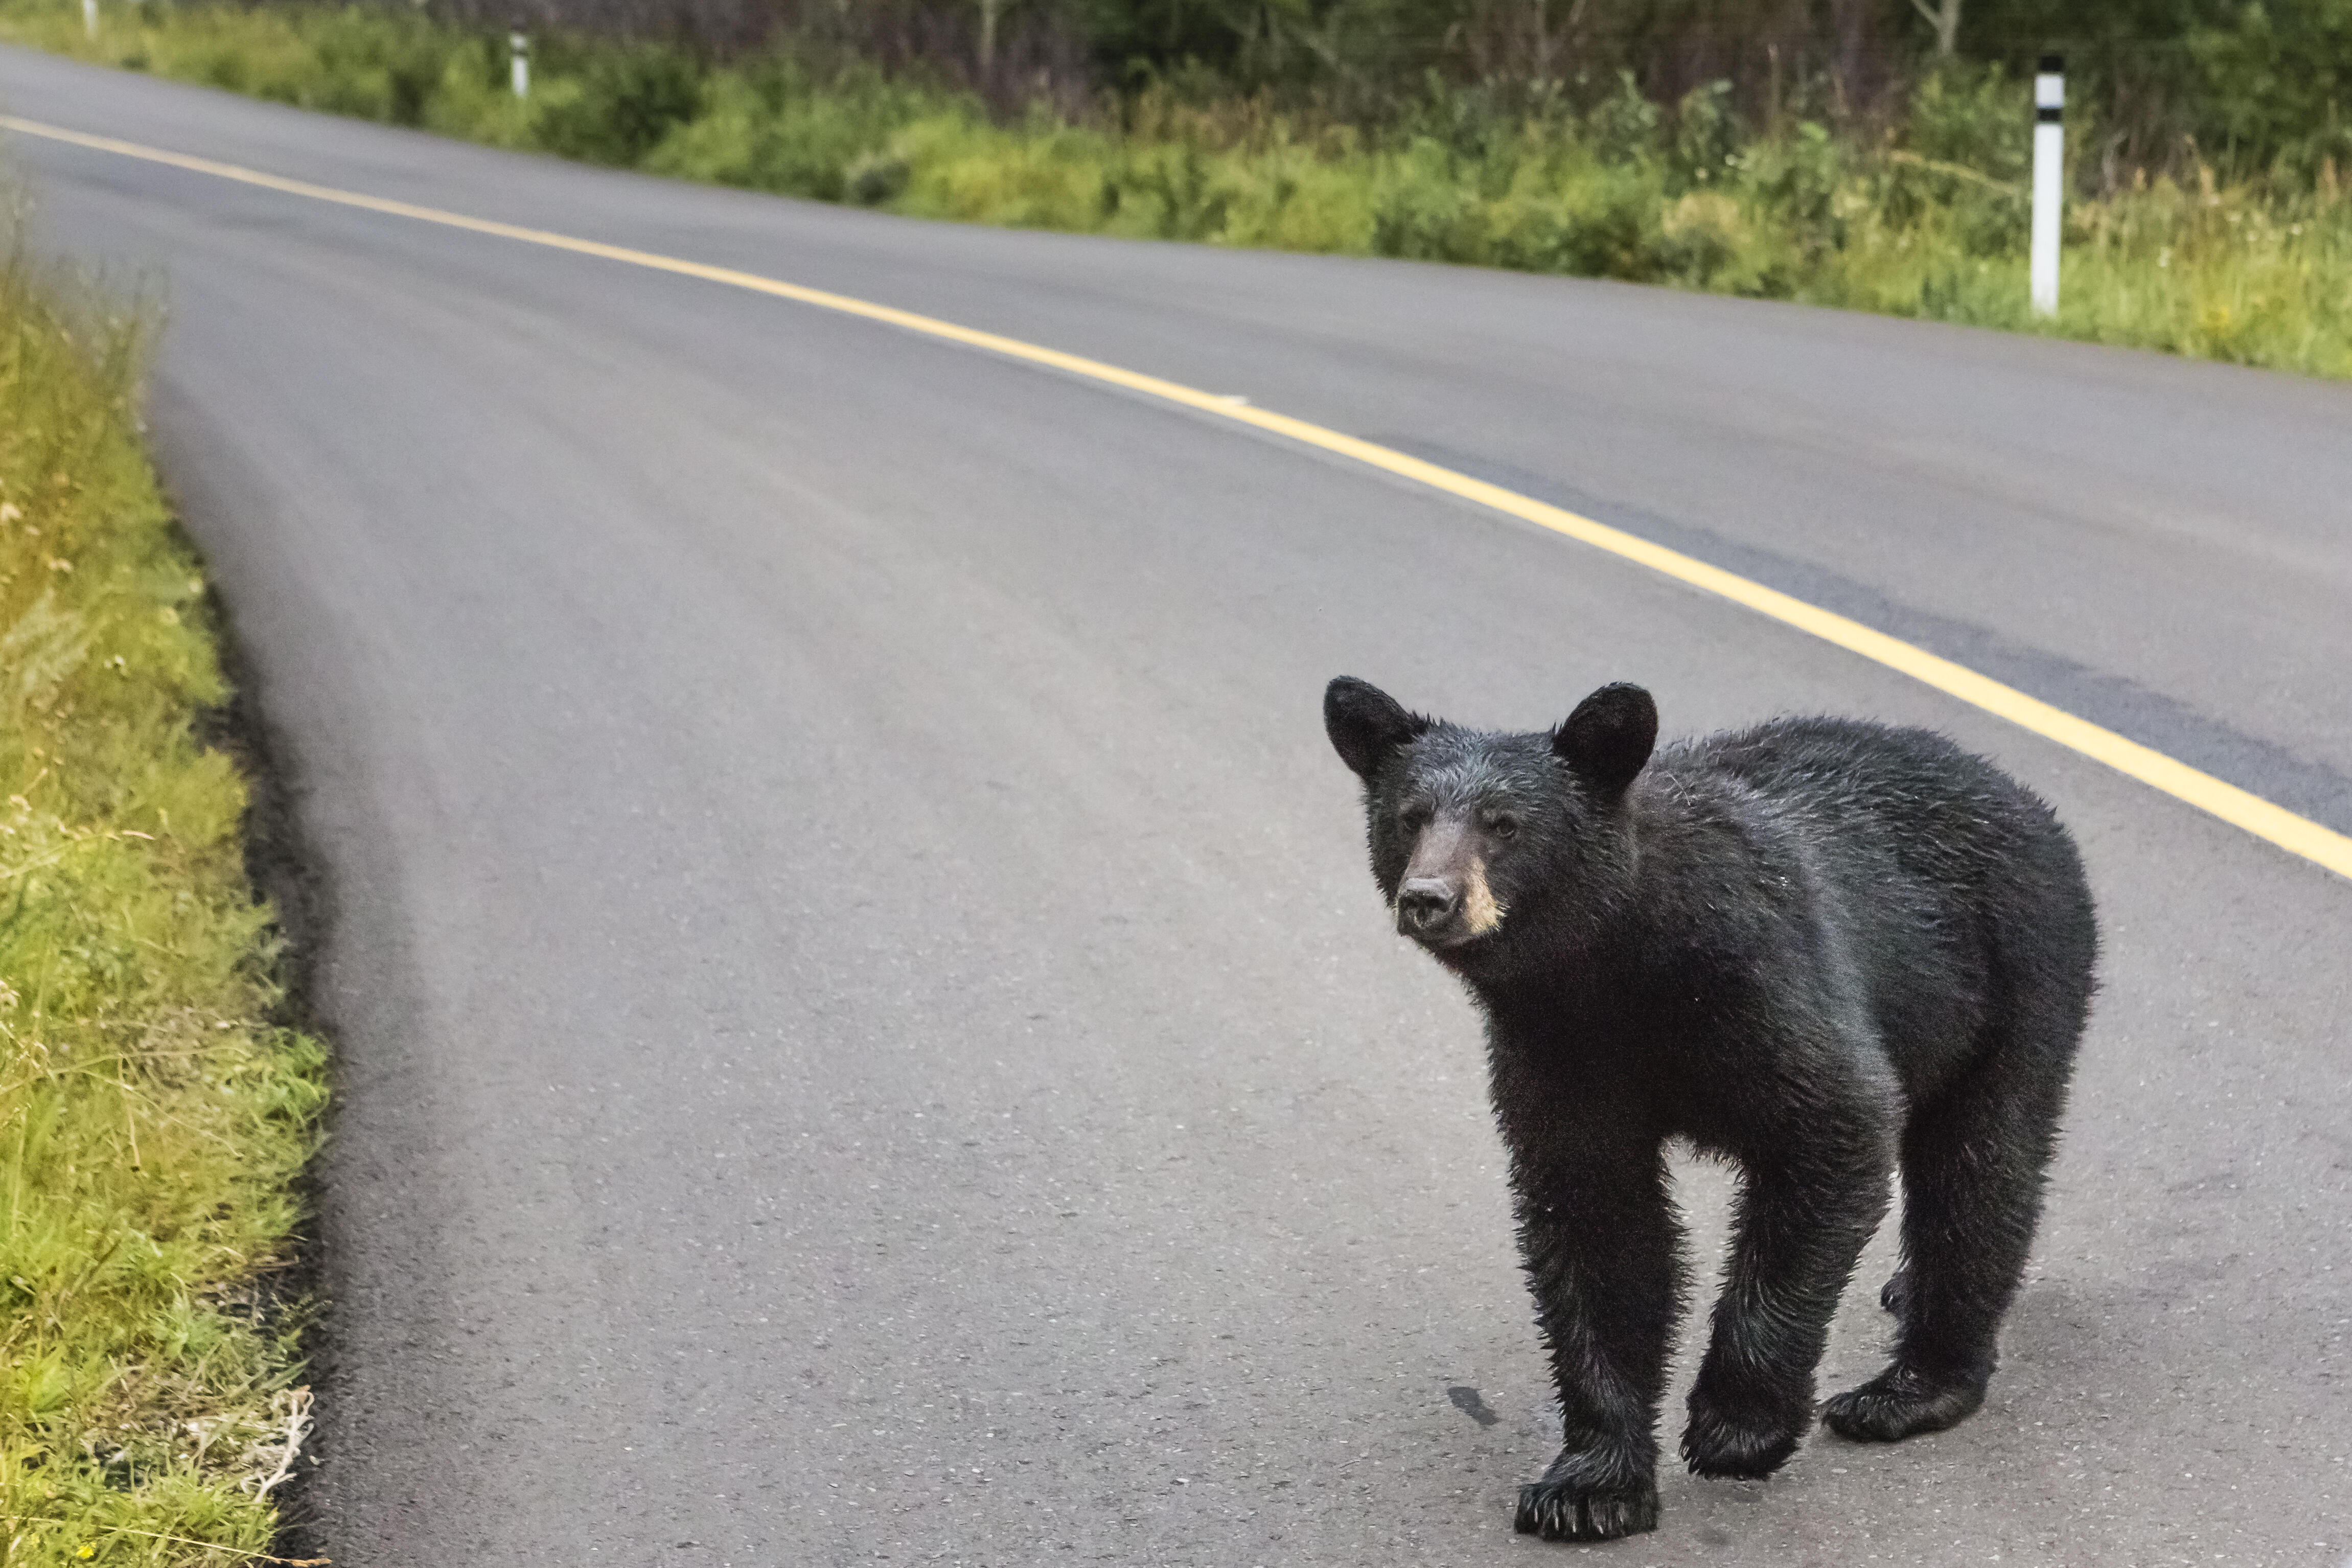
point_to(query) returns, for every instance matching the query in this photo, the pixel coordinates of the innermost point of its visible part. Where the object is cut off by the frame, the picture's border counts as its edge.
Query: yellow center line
(2258, 817)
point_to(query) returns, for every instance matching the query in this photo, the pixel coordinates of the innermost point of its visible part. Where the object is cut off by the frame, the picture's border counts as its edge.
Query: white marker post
(89, 17)
(519, 51)
(2049, 179)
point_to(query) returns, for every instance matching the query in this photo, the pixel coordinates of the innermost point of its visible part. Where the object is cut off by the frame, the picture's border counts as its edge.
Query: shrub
(626, 101)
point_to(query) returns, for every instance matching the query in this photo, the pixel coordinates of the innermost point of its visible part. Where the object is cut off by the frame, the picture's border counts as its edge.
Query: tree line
(2250, 87)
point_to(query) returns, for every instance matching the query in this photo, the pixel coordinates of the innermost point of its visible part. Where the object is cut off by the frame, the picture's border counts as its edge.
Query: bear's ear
(1609, 737)
(1366, 723)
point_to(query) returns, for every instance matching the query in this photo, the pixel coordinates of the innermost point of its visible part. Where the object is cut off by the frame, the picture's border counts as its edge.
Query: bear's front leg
(1603, 1258)
(1803, 1219)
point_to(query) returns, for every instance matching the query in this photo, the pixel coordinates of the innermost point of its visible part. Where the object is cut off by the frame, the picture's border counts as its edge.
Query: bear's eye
(1413, 818)
(1503, 827)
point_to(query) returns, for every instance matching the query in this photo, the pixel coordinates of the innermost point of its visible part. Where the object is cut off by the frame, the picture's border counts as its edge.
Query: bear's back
(1851, 786)
(1953, 886)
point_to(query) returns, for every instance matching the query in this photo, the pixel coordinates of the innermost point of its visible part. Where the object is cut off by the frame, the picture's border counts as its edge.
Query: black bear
(1818, 948)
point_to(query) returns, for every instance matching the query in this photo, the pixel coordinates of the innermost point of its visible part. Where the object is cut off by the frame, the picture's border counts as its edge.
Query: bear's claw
(1902, 1403)
(1562, 1510)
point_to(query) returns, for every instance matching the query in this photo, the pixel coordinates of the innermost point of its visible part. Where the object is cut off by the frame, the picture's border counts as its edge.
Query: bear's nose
(1426, 901)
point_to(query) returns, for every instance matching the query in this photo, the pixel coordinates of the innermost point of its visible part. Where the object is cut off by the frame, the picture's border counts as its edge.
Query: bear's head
(1494, 849)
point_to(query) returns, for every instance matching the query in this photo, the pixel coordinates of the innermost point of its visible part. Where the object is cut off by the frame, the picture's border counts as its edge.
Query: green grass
(1925, 219)
(152, 1114)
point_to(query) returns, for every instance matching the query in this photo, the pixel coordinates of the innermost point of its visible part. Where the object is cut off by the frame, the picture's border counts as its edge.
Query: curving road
(865, 1035)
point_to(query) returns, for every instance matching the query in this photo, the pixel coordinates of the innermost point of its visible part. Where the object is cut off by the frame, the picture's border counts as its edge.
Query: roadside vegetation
(154, 1112)
(1901, 191)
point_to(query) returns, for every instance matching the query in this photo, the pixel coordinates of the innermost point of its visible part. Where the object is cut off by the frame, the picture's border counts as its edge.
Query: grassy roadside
(1925, 219)
(152, 1114)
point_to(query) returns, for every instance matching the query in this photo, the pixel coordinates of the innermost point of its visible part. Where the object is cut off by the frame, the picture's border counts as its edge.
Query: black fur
(1819, 948)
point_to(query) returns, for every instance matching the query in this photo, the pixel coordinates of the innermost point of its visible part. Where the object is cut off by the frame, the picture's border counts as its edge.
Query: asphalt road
(863, 1031)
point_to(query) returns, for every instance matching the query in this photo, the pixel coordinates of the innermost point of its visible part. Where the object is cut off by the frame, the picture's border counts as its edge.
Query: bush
(626, 100)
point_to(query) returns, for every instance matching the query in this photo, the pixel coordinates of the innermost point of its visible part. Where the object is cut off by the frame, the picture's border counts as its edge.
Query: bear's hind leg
(1974, 1161)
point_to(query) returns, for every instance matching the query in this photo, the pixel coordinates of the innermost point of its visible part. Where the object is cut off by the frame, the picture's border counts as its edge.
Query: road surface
(863, 1031)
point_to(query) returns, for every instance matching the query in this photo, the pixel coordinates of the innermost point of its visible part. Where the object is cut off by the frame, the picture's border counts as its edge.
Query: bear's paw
(1729, 1440)
(1902, 1403)
(1571, 1510)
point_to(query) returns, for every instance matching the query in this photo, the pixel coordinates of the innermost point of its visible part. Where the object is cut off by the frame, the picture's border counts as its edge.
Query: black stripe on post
(2049, 114)
(2052, 65)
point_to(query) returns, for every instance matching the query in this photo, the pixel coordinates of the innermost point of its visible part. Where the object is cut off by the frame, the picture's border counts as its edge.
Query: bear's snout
(1425, 903)
(1443, 900)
